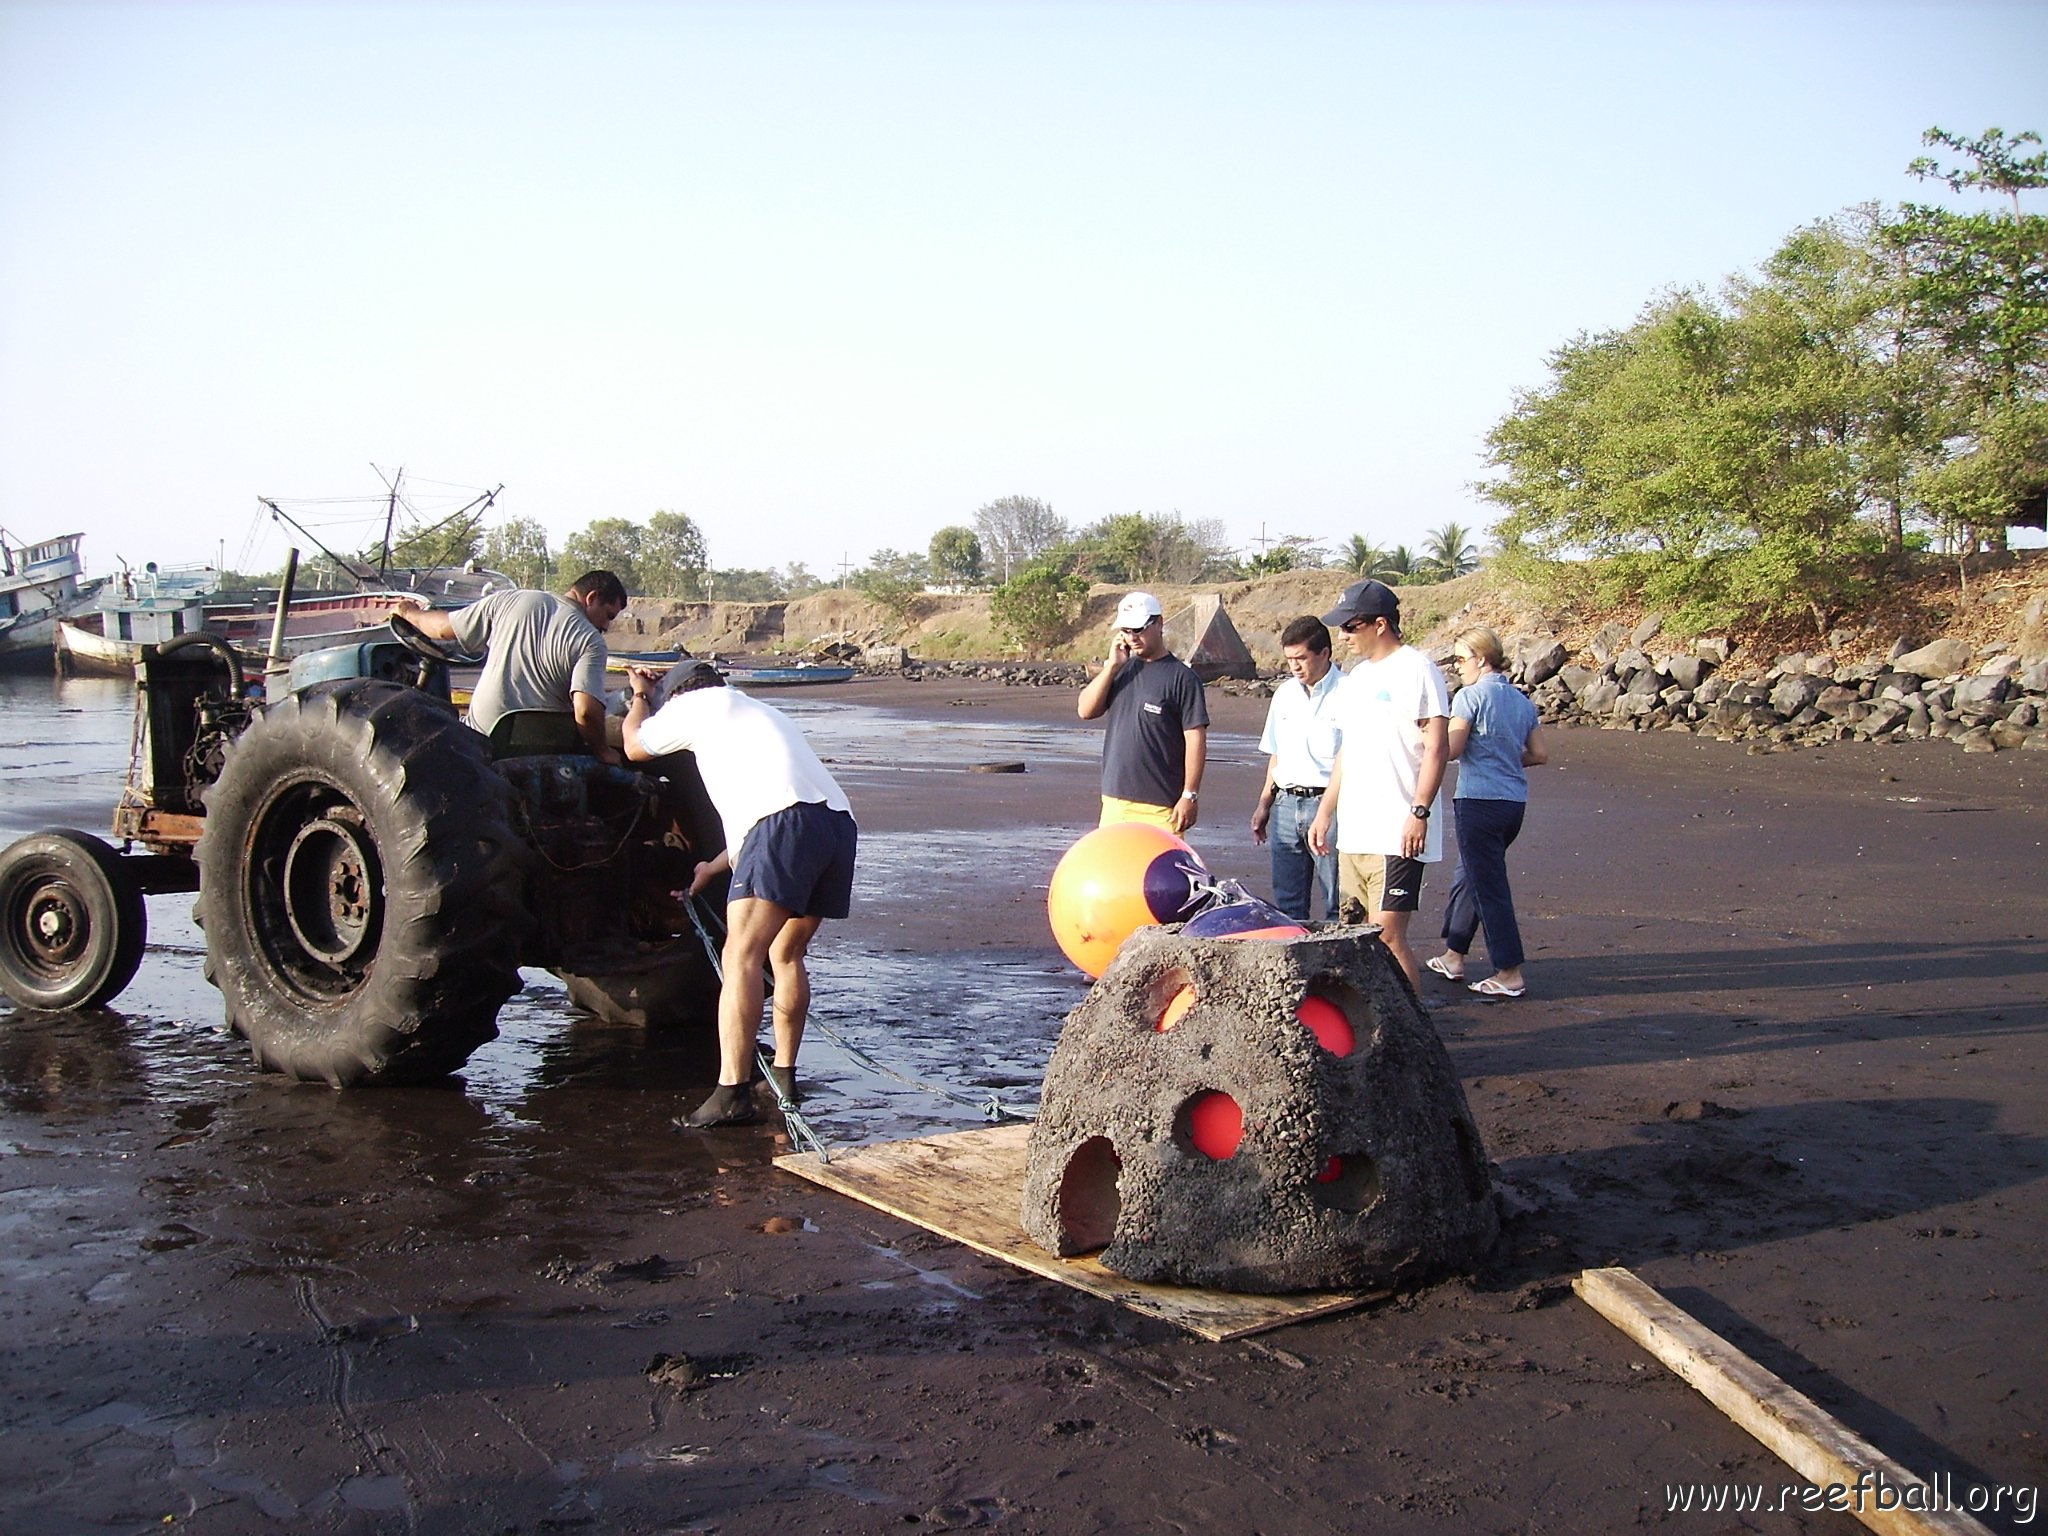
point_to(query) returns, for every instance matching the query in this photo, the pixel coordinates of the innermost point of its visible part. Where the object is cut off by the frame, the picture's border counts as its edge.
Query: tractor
(371, 872)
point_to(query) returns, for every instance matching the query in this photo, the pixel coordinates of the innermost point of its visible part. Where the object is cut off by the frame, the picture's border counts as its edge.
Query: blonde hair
(1484, 644)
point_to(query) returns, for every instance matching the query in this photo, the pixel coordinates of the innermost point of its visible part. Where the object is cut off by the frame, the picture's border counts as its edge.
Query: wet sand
(1783, 1055)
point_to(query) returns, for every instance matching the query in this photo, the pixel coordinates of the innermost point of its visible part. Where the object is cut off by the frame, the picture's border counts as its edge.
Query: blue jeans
(1480, 894)
(1296, 871)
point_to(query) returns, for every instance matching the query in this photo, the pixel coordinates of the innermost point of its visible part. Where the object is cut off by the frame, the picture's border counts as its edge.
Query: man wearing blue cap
(1393, 744)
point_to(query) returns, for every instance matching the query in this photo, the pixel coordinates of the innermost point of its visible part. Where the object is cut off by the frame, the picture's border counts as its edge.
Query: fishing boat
(788, 677)
(40, 584)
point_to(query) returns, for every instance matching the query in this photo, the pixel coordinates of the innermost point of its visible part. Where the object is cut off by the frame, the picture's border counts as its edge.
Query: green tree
(1039, 606)
(1360, 557)
(1976, 289)
(895, 579)
(1449, 552)
(955, 556)
(671, 559)
(1137, 547)
(519, 548)
(744, 586)
(608, 544)
(1016, 531)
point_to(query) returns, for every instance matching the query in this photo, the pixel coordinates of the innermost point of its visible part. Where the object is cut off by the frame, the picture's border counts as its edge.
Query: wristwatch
(1419, 812)
(1189, 794)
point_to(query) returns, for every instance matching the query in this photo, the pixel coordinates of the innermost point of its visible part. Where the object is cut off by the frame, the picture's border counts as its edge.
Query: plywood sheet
(969, 1186)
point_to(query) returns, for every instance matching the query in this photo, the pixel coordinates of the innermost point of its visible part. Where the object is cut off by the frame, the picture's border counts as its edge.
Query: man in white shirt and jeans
(1300, 744)
(1393, 744)
(790, 841)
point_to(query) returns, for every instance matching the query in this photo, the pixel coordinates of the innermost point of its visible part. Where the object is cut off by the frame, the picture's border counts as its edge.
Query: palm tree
(1451, 551)
(1400, 561)
(1363, 558)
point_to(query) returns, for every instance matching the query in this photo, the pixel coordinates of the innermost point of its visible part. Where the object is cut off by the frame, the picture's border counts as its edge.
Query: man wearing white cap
(1157, 740)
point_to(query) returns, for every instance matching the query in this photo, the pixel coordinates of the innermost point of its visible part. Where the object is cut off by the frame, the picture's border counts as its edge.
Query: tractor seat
(535, 733)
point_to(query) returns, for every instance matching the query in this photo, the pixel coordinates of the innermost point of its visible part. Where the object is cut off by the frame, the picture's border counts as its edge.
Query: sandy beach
(1783, 1055)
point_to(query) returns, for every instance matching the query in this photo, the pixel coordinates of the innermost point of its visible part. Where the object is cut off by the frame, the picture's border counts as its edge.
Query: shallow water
(976, 1020)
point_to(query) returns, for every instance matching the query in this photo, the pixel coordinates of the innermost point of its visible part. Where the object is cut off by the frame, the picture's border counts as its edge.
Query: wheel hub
(332, 900)
(56, 925)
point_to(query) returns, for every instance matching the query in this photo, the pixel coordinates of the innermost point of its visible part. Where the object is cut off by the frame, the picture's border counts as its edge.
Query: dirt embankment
(2003, 601)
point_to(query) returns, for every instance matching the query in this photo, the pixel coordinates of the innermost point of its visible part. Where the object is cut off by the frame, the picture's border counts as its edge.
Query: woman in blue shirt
(1495, 736)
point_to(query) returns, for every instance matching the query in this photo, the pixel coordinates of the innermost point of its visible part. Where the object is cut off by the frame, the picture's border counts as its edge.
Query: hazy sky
(828, 277)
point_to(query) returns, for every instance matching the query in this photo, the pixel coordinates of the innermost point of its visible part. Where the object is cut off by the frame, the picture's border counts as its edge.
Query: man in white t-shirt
(1393, 743)
(790, 841)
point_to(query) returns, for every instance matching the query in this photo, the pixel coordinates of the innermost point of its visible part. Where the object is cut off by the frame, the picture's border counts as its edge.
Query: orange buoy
(1116, 880)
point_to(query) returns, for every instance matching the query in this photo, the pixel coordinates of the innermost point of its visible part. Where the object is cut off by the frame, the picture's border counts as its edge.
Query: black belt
(1302, 794)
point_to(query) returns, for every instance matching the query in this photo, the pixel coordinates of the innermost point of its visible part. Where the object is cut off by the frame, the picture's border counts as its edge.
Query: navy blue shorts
(800, 858)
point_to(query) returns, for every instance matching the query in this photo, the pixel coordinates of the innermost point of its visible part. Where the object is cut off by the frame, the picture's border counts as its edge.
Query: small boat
(40, 584)
(620, 660)
(136, 608)
(789, 677)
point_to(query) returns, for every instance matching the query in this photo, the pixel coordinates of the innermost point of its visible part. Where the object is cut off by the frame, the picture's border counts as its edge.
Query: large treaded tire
(361, 887)
(72, 921)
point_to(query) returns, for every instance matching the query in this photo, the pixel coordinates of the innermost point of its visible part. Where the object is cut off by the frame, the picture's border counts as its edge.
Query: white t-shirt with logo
(1379, 745)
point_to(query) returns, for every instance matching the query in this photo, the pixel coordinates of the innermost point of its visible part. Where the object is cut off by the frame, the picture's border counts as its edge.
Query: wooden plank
(1796, 1429)
(969, 1186)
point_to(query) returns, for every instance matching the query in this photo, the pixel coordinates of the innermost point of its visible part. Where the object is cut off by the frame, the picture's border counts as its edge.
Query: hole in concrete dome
(1348, 1181)
(1352, 1004)
(1211, 1123)
(1169, 997)
(1328, 1023)
(1089, 1202)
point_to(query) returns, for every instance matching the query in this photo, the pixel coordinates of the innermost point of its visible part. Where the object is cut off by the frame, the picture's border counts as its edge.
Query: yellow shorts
(1115, 810)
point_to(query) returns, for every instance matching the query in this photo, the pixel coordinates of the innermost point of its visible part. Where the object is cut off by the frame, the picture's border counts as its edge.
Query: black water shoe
(729, 1104)
(782, 1083)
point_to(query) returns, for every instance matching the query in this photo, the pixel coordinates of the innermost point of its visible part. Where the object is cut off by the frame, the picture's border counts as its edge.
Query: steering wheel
(419, 642)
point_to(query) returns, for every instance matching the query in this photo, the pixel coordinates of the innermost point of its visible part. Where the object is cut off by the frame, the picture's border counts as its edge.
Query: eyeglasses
(1461, 657)
(1354, 626)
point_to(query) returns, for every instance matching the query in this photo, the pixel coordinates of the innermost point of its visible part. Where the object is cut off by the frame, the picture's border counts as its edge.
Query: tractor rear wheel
(361, 886)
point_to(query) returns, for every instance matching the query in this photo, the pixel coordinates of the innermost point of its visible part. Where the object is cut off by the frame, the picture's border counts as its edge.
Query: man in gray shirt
(540, 652)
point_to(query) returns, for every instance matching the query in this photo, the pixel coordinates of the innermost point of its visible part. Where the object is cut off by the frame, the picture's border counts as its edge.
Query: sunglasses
(1356, 625)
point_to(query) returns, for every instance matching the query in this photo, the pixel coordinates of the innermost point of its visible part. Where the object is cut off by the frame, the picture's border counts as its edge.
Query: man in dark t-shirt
(1156, 742)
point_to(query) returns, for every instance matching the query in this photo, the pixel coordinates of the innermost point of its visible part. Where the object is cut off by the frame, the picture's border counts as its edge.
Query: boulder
(1714, 649)
(2006, 736)
(1688, 671)
(1648, 630)
(1598, 696)
(1883, 716)
(2033, 677)
(1606, 642)
(1541, 659)
(1977, 739)
(1942, 658)
(1796, 692)
(1576, 677)
(1978, 693)
(1647, 681)
(1835, 700)
(1711, 691)
(1628, 663)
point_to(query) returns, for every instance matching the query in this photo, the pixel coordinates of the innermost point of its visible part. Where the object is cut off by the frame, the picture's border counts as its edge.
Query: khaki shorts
(1115, 810)
(1371, 883)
